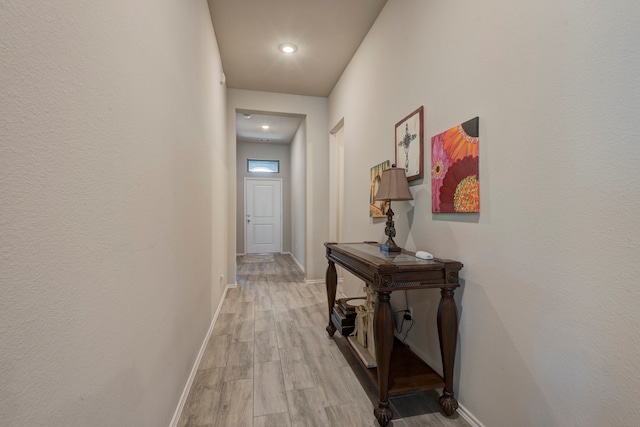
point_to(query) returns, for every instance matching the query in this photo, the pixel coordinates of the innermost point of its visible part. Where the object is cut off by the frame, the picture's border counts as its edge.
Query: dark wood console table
(385, 273)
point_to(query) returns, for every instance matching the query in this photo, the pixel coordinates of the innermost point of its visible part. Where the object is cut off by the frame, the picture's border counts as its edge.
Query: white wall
(111, 130)
(316, 165)
(298, 194)
(549, 319)
(280, 152)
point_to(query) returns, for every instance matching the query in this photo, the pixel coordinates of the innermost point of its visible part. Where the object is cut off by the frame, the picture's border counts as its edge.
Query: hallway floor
(270, 362)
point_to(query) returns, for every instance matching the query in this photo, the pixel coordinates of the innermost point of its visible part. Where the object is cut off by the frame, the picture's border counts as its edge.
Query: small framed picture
(409, 144)
(377, 208)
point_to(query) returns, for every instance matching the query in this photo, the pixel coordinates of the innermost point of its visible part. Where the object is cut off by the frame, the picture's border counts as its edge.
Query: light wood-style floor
(270, 362)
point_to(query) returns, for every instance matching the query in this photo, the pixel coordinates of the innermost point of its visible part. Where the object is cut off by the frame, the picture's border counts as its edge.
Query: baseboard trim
(468, 416)
(232, 285)
(196, 363)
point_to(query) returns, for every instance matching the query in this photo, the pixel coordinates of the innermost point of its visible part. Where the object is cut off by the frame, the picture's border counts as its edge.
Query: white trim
(468, 416)
(232, 285)
(196, 363)
(242, 254)
(279, 180)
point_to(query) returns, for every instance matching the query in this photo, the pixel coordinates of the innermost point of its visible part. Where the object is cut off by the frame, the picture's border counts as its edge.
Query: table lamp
(393, 186)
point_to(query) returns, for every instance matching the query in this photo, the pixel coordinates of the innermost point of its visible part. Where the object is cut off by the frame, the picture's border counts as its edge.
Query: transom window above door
(265, 166)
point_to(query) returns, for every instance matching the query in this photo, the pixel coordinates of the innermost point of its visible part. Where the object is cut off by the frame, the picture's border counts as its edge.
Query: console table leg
(383, 333)
(448, 332)
(331, 280)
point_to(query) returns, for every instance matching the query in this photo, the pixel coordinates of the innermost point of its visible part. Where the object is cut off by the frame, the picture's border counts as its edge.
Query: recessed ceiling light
(288, 47)
(265, 127)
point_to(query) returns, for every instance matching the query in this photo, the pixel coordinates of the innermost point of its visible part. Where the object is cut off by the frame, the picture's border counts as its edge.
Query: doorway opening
(275, 139)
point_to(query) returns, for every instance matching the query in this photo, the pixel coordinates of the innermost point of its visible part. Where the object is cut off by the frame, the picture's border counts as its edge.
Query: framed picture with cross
(409, 144)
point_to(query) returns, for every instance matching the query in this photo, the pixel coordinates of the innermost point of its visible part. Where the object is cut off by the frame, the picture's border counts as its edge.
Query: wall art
(409, 144)
(455, 183)
(377, 209)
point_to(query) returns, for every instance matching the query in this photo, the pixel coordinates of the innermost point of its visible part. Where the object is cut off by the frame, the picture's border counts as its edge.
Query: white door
(263, 215)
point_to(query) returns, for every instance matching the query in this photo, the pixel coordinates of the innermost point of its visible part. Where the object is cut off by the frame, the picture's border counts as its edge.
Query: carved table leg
(448, 332)
(331, 281)
(383, 335)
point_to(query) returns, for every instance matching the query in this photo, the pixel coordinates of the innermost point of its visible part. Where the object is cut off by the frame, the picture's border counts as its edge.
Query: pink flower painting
(455, 182)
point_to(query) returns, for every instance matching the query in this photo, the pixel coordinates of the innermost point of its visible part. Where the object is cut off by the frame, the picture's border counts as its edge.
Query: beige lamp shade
(393, 185)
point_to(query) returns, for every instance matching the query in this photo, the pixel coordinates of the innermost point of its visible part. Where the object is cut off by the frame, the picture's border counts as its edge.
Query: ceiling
(282, 128)
(326, 32)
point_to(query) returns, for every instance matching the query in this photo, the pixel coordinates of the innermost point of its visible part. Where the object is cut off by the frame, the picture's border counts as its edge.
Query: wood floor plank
(269, 395)
(264, 321)
(263, 303)
(314, 343)
(240, 354)
(239, 372)
(266, 347)
(305, 293)
(426, 420)
(231, 305)
(247, 310)
(296, 370)
(350, 415)
(273, 420)
(288, 335)
(235, 404)
(283, 314)
(203, 398)
(330, 381)
(360, 396)
(333, 350)
(244, 330)
(305, 409)
(225, 324)
(216, 352)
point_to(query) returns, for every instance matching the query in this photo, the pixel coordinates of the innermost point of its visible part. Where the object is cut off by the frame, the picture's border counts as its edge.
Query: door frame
(244, 213)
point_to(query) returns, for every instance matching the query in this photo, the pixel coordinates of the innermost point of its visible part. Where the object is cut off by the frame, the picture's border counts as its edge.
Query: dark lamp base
(390, 231)
(387, 248)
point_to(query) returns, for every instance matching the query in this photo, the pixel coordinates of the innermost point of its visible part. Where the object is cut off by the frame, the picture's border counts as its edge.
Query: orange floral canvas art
(455, 183)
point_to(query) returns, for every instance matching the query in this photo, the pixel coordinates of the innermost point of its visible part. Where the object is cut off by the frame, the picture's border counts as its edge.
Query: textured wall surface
(549, 319)
(107, 138)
